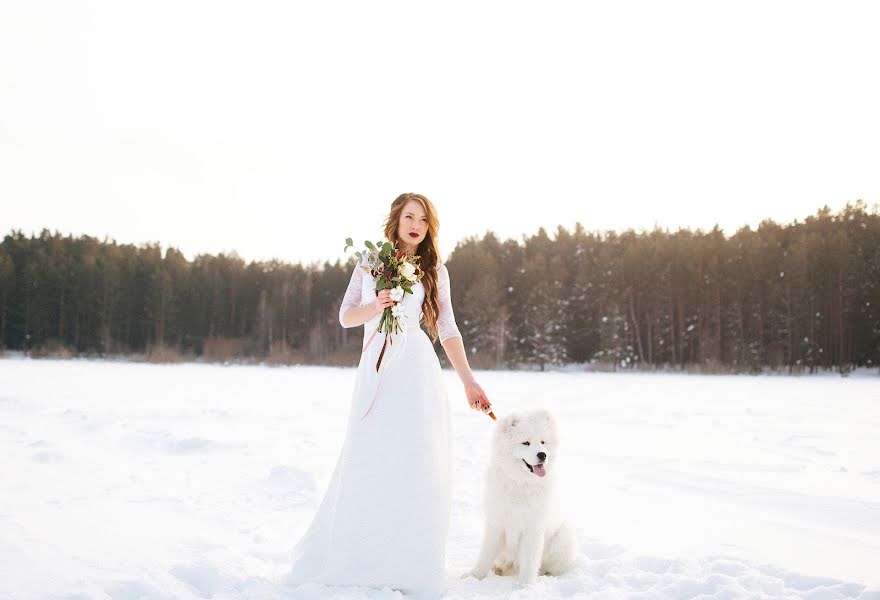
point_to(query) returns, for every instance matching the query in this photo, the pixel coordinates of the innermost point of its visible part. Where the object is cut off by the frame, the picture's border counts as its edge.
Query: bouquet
(393, 270)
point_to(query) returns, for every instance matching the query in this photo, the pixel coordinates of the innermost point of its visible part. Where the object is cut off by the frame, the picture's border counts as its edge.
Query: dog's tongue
(539, 470)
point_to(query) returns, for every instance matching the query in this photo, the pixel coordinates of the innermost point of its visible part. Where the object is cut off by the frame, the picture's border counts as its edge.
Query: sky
(278, 129)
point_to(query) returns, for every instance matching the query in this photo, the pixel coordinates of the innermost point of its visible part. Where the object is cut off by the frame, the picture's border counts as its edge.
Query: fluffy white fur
(525, 532)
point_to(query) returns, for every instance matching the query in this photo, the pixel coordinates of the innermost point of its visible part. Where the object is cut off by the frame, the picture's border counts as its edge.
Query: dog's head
(525, 445)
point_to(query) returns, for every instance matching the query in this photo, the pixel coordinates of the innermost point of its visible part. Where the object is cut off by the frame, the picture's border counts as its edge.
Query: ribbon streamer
(396, 350)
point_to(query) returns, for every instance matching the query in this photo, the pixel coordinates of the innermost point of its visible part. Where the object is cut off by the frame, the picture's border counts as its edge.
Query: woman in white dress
(384, 518)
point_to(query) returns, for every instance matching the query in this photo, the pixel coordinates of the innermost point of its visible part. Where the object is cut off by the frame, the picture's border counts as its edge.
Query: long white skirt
(384, 518)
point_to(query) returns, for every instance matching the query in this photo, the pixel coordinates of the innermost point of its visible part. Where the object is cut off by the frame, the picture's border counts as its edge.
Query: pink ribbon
(390, 355)
(381, 372)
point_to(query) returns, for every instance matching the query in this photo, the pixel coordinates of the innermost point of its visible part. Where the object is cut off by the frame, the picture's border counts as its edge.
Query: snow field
(127, 480)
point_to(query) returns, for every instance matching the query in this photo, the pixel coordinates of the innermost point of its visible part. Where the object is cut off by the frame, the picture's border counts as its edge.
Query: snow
(129, 480)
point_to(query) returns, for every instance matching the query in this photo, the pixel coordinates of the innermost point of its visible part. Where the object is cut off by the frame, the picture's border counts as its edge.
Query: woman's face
(413, 225)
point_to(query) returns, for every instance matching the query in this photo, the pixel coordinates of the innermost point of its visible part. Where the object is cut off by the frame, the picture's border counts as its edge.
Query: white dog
(525, 532)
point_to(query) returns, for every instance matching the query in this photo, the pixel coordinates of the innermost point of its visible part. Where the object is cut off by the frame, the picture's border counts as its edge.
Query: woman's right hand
(383, 301)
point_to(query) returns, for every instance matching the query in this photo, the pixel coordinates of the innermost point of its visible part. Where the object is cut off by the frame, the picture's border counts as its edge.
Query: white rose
(397, 294)
(408, 270)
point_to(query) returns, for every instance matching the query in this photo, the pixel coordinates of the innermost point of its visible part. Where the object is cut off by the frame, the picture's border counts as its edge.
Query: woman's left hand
(476, 397)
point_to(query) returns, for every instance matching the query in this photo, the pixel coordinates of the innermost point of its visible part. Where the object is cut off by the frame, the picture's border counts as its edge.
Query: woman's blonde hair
(427, 250)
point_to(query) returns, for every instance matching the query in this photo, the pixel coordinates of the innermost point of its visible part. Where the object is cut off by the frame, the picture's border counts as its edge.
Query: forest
(800, 297)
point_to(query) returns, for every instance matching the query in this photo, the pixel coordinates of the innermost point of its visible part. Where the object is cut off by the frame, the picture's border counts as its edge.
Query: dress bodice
(361, 290)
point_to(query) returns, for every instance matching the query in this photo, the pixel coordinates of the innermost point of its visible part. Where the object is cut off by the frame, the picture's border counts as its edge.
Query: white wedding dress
(384, 518)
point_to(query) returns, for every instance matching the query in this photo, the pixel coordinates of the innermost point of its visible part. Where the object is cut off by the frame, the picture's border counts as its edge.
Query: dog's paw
(473, 573)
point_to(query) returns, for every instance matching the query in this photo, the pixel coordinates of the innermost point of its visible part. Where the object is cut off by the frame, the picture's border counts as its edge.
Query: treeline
(802, 296)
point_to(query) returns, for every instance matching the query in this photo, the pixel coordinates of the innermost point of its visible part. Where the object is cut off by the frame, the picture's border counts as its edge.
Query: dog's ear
(508, 423)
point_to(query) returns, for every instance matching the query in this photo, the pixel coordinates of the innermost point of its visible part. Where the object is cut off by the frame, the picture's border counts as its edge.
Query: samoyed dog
(525, 532)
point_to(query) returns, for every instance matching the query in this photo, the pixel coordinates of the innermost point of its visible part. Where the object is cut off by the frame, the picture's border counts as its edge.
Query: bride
(384, 517)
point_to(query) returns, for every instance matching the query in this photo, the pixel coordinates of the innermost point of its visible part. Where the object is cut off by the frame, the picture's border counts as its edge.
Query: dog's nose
(542, 455)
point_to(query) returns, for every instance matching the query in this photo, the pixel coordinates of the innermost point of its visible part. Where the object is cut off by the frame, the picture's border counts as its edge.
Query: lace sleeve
(352, 295)
(446, 326)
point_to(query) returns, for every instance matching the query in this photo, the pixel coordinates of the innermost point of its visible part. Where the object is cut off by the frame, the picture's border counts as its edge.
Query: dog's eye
(542, 441)
(525, 443)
